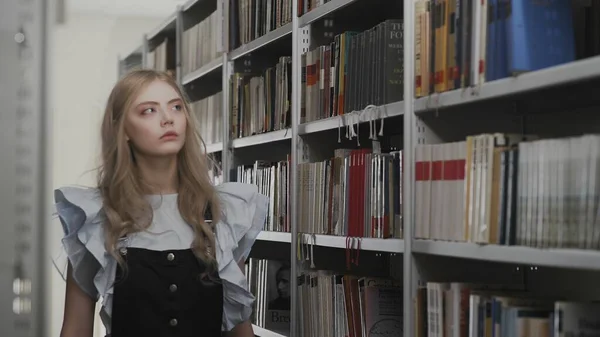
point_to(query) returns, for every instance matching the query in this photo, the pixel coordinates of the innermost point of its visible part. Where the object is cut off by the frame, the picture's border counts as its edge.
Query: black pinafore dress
(162, 294)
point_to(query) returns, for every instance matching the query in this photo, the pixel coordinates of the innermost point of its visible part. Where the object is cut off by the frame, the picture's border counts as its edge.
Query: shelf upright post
(224, 6)
(25, 123)
(227, 152)
(227, 67)
(408, 178)
(145, 51)
(294, 166)
(178, 43)
(119, 66)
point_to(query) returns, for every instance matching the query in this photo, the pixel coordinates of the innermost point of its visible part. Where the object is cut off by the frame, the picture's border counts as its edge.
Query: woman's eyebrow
(147, 102)
(156, 103)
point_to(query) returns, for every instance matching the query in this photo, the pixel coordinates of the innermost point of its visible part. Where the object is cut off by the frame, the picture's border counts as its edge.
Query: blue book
(491, 55)
(501, 42)
(539, 34)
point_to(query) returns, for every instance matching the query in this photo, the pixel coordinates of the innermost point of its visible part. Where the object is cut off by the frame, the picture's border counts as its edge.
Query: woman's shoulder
(79, 212)
(76, 206)
(241, 201)
(244, 213)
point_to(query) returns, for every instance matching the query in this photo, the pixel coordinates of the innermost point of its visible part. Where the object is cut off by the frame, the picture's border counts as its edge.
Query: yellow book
(441, 45)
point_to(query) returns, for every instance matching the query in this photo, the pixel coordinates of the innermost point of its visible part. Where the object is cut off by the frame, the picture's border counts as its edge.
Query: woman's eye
(147, 111)
(178, 107)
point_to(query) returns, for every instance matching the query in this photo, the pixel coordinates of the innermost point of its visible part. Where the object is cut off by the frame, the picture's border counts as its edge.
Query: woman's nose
(167, 118)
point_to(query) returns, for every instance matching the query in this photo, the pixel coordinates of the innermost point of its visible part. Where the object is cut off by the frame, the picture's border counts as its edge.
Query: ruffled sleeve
(80, 213)
(244, 215)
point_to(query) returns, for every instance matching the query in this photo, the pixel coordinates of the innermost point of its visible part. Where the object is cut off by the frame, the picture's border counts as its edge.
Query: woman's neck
(160, 174)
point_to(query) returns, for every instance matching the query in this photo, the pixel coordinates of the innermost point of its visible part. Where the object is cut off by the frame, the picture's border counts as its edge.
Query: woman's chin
(163, 150)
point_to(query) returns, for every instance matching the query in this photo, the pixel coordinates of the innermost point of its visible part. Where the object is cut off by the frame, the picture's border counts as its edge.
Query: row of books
(459, 43)
(491, 188)
(261, 102)
(510, 190)
(251, 19)
(215, 174)
(586, 19)
(273, 181)
(209, 120)
(202, 43)
(269, 282)
(356, 193)
(305, 6)
(340, 305)
(353, 71)
(162, 58)
(343, 305)
(130, 63)
(460, 309)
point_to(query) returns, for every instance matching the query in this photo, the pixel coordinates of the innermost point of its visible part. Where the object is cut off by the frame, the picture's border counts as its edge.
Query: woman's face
(156, 122)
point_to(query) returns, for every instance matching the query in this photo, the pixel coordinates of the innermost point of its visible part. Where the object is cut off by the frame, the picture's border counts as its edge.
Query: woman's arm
(78, 320)
(243, 329)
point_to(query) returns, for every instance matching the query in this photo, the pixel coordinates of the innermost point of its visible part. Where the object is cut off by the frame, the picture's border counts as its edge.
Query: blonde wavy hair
(123, 191)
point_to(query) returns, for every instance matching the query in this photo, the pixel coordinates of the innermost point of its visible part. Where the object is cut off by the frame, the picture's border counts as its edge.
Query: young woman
(159, 244)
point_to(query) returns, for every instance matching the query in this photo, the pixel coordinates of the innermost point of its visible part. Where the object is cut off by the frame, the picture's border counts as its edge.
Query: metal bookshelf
(366, 244)
(261, 42)
(323, 10)
(557, 76)
(411, 112)
(203, 71)
(215, 147)
(269, 236)
(546, 257)
(26, 124)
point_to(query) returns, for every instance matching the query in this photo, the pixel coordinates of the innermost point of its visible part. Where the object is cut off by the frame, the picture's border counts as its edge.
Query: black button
(170, 256)
(173, 322)
(173, 288)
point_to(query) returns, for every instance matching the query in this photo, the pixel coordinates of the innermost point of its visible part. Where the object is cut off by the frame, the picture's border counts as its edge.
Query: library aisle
(433, 166)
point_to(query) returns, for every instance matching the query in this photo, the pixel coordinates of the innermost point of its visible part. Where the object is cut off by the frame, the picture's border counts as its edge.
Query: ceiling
(139, 8)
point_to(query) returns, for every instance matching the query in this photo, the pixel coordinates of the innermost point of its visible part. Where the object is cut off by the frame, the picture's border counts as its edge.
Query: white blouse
(80, 211)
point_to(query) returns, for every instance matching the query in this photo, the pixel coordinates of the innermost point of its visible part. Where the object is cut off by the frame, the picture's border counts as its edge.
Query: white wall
(83, 70)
